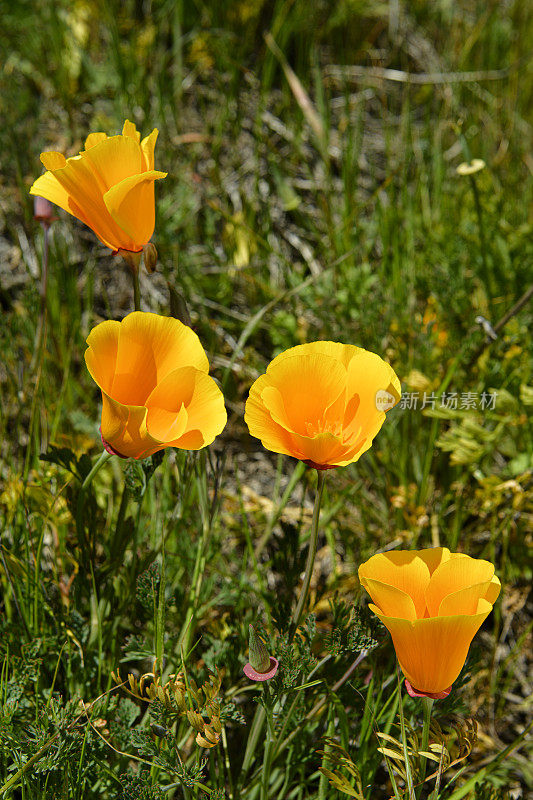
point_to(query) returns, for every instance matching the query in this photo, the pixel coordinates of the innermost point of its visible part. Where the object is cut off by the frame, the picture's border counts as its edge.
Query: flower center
(316, 427)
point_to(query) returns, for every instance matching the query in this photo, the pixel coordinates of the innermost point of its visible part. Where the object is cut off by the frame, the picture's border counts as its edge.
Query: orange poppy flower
(156, 391)
(322, 402)
(109, 186)
(432, 602)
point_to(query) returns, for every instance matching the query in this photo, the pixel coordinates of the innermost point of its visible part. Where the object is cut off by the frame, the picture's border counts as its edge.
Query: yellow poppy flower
(156, 391)
(109, 186)
(322, 402)
(432, 602)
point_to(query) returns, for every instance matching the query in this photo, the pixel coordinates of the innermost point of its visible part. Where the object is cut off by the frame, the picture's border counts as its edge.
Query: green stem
(427, 705)
(35, 757)
(133, 260)
(409, 777)
(187, 629)
(136, 290)
(40, 349)
(313, 540)
(278, 510)
(265, 772)
(253, 738)
(80, 505)
(206, 516)
(482, 239)
(160, 633)
(121, 516)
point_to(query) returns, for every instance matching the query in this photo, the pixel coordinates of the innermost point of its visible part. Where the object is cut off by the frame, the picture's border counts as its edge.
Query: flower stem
(256, 730)
(408, 775)
(313, 540)
(160, 619)
(187, 629)
(265, 772)
(80, 505)
(482, 239)
(136, 290)
(427, 705)
(133, 260)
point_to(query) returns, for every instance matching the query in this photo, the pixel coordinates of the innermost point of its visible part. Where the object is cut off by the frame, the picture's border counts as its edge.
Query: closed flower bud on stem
(43, 211)
(261, 665)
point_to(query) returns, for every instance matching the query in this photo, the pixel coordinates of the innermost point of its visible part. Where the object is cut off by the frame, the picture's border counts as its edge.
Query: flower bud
(261, 666)
(150, 257)
(258, 654)
(43, 211)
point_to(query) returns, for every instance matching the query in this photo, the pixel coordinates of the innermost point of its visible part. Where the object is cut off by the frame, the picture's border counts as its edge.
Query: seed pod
(216, 724)
(159, 730)
(180, 699)
(195, 720)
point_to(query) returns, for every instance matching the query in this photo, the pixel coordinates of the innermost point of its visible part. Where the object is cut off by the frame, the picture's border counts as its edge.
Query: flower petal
(53, 160)
(124, 428)
(323, 449)
(112, 160)
(402, 569)
(81, 196)
(391, 602)
(432, 651)
(150, 347)
(273, 436)
(336, 350)
(203, 401)
(129, 129)
(464, 601)
(308, 384)
(101, 355)
(131, 205)
(48, 186)
(434, 556)
(166, 425)
(148, 147)
(94, 138)
(453, 575)
(494, 590)
(368, 374)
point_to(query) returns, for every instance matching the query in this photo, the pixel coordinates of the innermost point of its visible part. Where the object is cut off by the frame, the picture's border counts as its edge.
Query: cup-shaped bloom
(322, 402)
(109, 186)
(432, 602)
(156, 390)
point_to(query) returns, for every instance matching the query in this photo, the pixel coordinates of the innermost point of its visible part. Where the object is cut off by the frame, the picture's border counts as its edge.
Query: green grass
(277, 226)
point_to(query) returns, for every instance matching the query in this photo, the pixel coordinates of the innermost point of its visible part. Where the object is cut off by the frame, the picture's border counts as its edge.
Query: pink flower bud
(43, 210)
